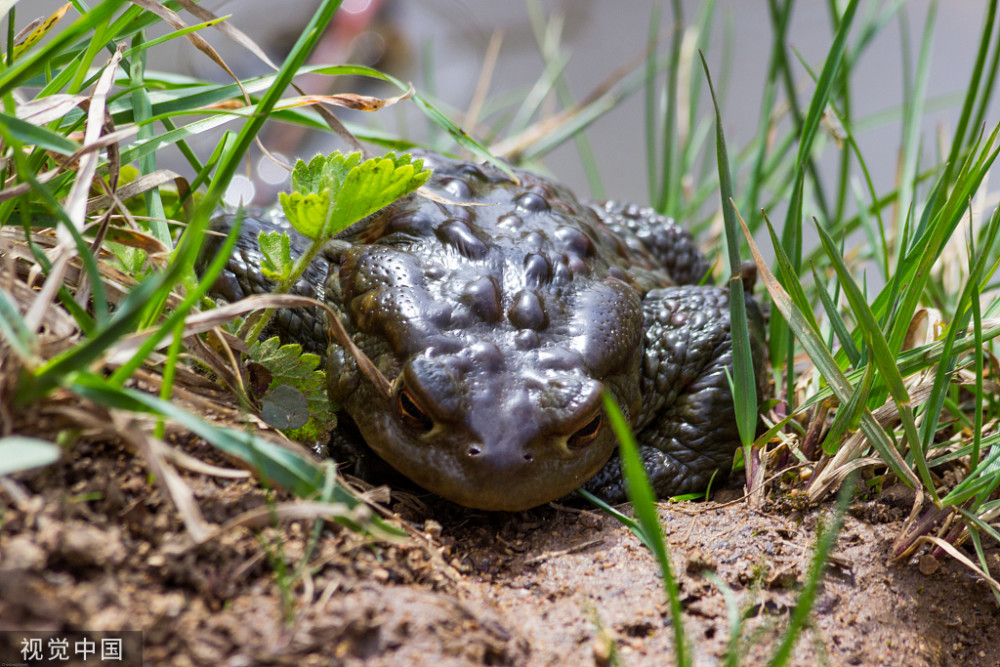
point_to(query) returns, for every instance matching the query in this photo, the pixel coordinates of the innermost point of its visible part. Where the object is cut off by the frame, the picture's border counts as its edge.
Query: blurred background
(442, 46)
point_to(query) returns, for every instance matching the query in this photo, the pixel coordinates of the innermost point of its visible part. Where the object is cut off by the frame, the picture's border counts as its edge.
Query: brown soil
(93, 544)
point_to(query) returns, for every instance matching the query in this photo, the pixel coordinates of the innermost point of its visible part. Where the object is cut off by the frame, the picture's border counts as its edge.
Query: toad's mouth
(497, 477)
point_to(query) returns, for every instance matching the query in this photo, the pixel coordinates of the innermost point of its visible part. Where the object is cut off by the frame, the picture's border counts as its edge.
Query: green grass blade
(779, 27)
(733, 617)
(837, 323)
(963, 312)
(41, 55)
(33, 135)
(782, 347)
(972, 90)
(634, 527)
(927, 248)
(652, 155)
(190, 241)
(146, 45)
(881, 356)
(744, 380)
(913, 112)
(807, 332)
(276, 465)
(848, 415)
(15, 331)
(123, 322)
(147, 164)
(640, 494)
(668, 199)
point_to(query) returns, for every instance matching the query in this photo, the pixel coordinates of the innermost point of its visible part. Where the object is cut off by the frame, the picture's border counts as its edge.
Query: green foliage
(276, 255)
(743, 383)
(329, 194)
(119, 311)
(290, 367)
(333, 192)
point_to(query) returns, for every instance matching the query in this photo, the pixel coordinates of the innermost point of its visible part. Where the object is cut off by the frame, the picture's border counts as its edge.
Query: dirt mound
(91, 543)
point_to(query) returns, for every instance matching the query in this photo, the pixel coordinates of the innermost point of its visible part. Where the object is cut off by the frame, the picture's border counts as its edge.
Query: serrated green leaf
(276, 255)
(307, 212)
(290, 367)
(373, 185)
(333, 192)
(338, 166)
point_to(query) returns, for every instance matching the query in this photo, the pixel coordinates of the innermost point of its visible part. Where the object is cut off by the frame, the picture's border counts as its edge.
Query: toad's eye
(587, 433)
(409, 410)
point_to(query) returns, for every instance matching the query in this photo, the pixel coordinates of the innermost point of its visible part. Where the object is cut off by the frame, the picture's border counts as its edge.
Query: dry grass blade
(133, 238)
(835, 475)
(152, 450)
(485, 75)
(961, 558)
(94, 422)
(117, 284)
(28, 29)
(809, 336)
(604, 93)
(76, 202)
(437, 197)
(109, 140)
(201, 322)
(195, 465)
(137, 187)
(71, 162)
(351, 101)
(306, 510)
(196, 40)
(24, 188)
(44, 110)
(42, 302)
(55, 321)
(829, 478)
(37, 29)
(228, 30)
(204, 321)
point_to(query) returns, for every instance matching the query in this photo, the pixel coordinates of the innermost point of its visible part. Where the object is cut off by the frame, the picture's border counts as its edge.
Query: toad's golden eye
(587, 433)
(411, 413)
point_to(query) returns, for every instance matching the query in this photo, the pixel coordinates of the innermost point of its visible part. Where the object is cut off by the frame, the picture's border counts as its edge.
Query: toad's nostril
(529, 457)
(474, 451)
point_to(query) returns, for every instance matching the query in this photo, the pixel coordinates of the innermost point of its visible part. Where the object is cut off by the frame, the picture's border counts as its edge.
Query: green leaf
(333, 192)
(14, 329)
(285, 408)
(289, 367)
(276, 255)
(374, 185)
(38, 136)
(306, 212)
(19, 453)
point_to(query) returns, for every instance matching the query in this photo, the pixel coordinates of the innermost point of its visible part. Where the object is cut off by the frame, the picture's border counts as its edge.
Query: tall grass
(898, 385)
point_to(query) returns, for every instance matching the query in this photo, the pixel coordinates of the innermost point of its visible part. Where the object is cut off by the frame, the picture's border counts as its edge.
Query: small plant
(330, 194)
